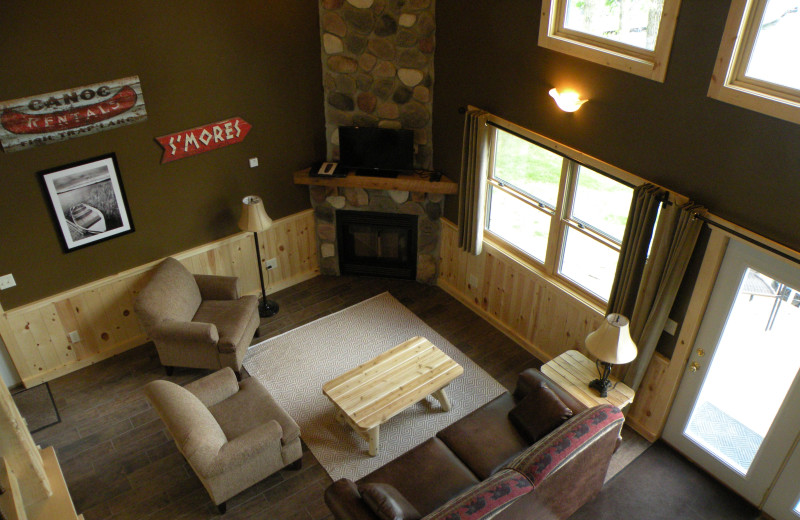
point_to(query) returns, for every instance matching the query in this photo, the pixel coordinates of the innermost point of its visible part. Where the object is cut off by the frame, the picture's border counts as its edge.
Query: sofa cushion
(196, 432)
(539, 413)
(252, 406)
(231, 318)
(487, 499)
(386, 502)
(171, 293)
(489, 428)
(215, 387)
(427, 476)
(532, 378)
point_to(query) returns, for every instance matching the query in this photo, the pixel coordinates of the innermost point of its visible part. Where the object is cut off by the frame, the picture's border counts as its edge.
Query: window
(566, 218)
(757, 65)
(630, 35)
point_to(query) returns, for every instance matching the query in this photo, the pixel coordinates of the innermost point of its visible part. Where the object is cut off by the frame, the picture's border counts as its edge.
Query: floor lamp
(254, 218)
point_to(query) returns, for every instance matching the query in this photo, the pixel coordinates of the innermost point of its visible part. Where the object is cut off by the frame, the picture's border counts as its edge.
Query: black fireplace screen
(379, 244)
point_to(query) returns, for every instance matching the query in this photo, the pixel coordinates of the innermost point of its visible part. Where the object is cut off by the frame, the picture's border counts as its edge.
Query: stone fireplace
(332, 204)
(377, 64)
(379, 244)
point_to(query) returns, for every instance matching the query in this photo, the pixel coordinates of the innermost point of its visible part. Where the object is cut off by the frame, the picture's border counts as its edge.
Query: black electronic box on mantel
(376, 152)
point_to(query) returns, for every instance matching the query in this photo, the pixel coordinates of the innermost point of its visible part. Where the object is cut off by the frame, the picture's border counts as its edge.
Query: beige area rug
(295, 365)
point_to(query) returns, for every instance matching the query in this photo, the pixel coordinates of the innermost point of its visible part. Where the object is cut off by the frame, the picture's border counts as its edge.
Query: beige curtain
(472, 188)
(635, 245)
(673, 245)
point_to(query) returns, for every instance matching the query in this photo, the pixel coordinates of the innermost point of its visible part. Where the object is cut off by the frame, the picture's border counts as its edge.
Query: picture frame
(87, 201)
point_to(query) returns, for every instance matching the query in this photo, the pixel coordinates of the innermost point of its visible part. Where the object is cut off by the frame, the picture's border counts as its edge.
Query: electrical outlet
(272, 263)
(74, 336)
(473, 280)
(7, 281)
(253, 162)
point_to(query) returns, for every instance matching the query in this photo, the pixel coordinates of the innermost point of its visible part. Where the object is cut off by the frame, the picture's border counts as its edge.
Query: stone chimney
(377, 62)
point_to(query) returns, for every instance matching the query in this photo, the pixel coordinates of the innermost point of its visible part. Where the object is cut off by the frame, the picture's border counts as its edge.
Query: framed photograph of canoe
(87, 201)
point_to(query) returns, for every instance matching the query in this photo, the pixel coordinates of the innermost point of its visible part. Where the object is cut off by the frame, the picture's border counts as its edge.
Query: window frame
(635, 60)
(729, 83)
(561, 218)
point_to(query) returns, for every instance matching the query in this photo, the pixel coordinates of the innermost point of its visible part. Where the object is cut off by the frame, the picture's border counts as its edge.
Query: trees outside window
(630, 35)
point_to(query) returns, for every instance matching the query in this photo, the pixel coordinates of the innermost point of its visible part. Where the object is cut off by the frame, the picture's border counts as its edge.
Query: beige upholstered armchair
(232, 434)
(197, 321)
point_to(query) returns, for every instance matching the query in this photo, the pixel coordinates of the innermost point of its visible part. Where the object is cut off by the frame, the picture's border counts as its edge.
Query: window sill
(766, 104)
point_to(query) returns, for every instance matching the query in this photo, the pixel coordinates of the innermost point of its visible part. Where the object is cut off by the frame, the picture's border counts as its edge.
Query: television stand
(387, 174)
(403, 182)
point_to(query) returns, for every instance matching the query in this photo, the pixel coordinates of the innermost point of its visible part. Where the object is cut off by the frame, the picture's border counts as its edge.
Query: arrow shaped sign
(203, 138)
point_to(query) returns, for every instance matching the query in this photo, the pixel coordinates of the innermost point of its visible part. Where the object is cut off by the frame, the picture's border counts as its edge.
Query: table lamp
(612, 345)
(254, 218)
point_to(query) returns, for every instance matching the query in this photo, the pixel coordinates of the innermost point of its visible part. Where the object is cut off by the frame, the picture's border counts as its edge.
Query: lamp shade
(254, 216)
(612, 342)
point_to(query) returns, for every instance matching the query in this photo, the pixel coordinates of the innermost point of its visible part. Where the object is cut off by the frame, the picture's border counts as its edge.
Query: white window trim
(562, 220)
(728, 83)
(649, 64)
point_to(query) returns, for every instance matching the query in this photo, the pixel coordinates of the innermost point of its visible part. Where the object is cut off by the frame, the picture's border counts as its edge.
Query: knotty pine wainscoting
(535, 312)
(37, 334)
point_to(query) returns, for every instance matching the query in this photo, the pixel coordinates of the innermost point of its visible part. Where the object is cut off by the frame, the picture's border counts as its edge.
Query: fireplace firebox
(378, 244)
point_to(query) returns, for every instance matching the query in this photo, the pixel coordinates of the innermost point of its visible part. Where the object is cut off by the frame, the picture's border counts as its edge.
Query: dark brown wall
(742, 165)
(198, 62)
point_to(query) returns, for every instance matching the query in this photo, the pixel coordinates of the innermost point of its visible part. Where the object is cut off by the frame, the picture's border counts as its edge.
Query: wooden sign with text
(203, 138)
(56, 116)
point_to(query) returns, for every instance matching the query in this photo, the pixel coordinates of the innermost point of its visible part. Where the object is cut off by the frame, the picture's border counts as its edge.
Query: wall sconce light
(568, 101)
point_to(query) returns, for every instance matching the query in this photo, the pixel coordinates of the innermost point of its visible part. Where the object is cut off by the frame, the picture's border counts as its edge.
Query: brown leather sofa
(535, 454)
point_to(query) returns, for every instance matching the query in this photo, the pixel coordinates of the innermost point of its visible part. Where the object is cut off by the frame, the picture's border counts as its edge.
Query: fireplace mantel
(400, 183)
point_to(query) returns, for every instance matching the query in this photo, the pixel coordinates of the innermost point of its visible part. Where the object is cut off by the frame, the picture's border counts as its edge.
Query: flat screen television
(376, 151)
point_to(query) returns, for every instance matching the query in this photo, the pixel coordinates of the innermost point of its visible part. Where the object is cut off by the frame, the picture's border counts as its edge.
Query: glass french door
(783, 501)
(737, 411)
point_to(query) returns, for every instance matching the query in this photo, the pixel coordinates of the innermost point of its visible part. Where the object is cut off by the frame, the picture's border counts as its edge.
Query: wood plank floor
(120, 463)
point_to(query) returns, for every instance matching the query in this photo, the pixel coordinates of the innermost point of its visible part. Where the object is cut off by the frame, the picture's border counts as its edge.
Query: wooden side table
(573, 372)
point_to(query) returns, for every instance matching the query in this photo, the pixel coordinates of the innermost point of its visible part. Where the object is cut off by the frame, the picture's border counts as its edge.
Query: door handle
(694, 366)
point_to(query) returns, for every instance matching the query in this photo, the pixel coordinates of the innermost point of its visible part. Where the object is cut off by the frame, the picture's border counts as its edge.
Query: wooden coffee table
(372, 393)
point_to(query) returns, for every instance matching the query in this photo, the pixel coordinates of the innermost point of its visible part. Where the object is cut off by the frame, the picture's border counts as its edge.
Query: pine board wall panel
(530, 309)
(37, 334)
